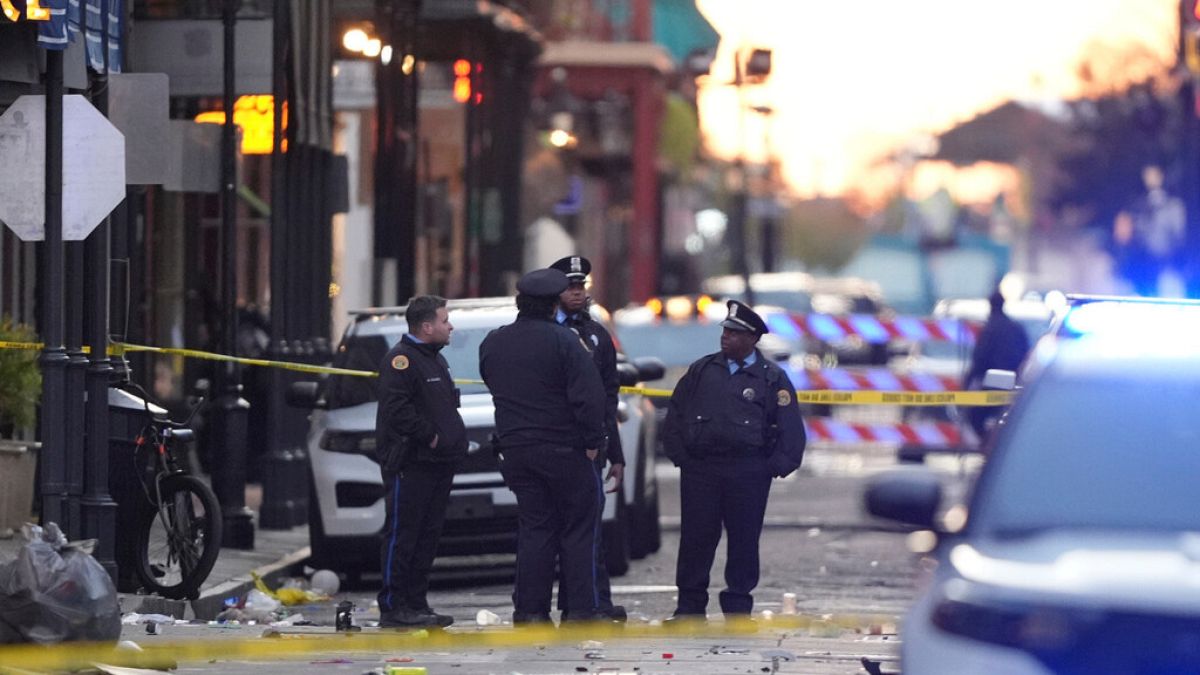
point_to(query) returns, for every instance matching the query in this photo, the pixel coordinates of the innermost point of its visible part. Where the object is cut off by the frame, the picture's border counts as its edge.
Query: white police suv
(346, 512)
(1080, 550)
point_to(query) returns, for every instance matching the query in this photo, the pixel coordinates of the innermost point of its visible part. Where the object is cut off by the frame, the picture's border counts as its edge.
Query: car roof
(1113, 337)
(465, 313)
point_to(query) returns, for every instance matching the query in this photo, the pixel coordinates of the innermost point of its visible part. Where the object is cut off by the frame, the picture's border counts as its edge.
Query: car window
(1102, 453)
(356, 352)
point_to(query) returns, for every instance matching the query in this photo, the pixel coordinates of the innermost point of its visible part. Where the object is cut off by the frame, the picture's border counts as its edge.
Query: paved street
(845, 569)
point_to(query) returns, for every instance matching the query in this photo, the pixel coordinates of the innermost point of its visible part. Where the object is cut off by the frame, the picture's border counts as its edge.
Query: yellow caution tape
(906, 398)
(822, 396)
(295, 643)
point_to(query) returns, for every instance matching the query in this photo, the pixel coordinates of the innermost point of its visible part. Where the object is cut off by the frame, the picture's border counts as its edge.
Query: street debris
(591, 644)
(325, 582)
(485, 617)
(55, 591)
(719, 649)
(343, 618)
(133, 619)
(789, 604)
(288, 595)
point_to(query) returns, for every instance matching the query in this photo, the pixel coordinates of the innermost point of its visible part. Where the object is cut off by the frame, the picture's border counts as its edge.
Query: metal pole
(77, 363)
(98, 510)
(53, 357)
(277, 511)
(229, 474)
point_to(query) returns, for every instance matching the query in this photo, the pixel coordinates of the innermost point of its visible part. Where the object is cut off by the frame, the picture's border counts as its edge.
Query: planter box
(18, 460)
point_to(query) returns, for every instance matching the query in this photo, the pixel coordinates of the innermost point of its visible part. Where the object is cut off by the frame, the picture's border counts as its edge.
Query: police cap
(543, 283)
(576, 267)
(743, 318)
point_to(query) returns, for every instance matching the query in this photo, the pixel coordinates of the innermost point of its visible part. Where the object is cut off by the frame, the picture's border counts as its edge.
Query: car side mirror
(304, 395)
(907, 496)
(627, 374)
(650, 368)
(1005, 380)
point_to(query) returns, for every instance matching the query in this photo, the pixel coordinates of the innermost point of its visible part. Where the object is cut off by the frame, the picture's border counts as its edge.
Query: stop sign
(93, 168)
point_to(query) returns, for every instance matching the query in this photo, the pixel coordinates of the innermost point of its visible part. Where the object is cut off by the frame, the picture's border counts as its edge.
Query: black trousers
(415, 499)
(603, 583)
(715, 492)
(559, 500)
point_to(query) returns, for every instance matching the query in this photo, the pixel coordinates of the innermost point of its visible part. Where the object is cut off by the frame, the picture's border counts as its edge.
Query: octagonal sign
(93, 168)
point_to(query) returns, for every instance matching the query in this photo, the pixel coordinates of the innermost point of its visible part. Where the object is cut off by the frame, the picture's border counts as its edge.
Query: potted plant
(20, 390)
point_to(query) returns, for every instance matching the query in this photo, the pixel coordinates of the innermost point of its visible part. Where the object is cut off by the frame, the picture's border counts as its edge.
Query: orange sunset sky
(854, 81)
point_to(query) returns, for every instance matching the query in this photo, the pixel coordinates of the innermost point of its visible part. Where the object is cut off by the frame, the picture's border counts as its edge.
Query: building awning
(446, 23)
(682, 29)
(71, 18)
(638, 55)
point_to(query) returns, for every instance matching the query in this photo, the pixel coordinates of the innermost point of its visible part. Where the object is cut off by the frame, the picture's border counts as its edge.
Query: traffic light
(1189, 34)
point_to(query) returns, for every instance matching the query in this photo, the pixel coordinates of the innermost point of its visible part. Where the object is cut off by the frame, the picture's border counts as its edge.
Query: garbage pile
(54, 591)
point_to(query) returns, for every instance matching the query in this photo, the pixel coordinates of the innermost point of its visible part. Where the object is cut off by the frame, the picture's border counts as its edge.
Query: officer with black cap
(549, 430)
(573, 313)
(732, 425)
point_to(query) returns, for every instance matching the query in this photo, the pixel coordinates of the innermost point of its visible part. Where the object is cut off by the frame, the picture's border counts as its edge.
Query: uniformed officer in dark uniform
(420, 437)
(549, 429)
(573, 313)
(732, 425)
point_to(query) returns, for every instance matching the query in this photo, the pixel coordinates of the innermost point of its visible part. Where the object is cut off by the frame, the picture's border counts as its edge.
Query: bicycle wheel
(179, 542)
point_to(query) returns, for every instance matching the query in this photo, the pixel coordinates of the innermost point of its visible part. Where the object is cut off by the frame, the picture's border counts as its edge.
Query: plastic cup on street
(485, 617)
(789, 604)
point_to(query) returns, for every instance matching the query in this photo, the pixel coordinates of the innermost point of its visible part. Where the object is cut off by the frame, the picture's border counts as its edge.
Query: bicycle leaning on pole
(178, 534)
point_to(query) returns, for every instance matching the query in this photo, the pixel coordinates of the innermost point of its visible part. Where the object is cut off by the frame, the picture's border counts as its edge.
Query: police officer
(732, 425)
(549, 429)
(420, 437)
(573, 313)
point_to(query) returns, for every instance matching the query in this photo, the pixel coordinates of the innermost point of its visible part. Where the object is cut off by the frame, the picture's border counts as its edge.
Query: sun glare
(856, 82)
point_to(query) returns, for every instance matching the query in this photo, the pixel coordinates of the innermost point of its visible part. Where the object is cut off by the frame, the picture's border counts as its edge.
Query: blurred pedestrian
(573, 313)
(732, 425)
(1001, 345)
(549, 430)
(420, 437)
(1149, 238)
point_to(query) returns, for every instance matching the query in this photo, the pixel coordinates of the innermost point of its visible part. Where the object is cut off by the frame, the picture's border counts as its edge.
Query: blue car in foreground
(1078, 550)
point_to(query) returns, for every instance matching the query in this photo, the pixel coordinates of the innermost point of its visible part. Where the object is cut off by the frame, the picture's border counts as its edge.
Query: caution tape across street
(813, 396)
(286, 643)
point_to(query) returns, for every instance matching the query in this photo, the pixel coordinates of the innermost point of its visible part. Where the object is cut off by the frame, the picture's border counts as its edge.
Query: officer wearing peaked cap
(573, 313)
(549, 430)
(732, 424)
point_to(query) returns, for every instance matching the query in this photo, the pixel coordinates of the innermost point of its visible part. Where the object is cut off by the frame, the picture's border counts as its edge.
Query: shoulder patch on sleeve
(783, 398)
(400, 362)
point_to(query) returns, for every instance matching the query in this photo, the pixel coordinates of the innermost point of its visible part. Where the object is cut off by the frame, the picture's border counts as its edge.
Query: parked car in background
(1078, 549)
(952, 358)
(779, 294)
(346, 505)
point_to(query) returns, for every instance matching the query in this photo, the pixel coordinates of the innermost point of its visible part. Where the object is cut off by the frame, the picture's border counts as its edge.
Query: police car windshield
(1099, 452)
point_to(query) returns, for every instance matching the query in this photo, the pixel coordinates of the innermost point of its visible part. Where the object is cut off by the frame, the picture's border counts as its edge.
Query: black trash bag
(55, 591)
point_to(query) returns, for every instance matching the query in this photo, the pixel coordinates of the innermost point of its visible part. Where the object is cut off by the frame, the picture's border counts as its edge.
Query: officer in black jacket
(420, 437)
(732, 425)
(573, 313)
(549, 429)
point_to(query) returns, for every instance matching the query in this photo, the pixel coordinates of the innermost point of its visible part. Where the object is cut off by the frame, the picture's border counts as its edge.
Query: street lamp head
(355, 39)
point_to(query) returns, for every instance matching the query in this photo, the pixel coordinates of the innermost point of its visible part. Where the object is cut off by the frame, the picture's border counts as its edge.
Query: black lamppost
(232, 411)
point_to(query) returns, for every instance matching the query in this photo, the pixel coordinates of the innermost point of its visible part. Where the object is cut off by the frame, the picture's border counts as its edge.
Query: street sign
(93, 168)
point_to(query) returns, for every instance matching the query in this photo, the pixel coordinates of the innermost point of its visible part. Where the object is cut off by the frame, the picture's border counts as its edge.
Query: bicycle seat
(181, 434)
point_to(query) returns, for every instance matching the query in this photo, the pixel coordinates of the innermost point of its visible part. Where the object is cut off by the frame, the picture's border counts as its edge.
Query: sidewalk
(275, 555)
